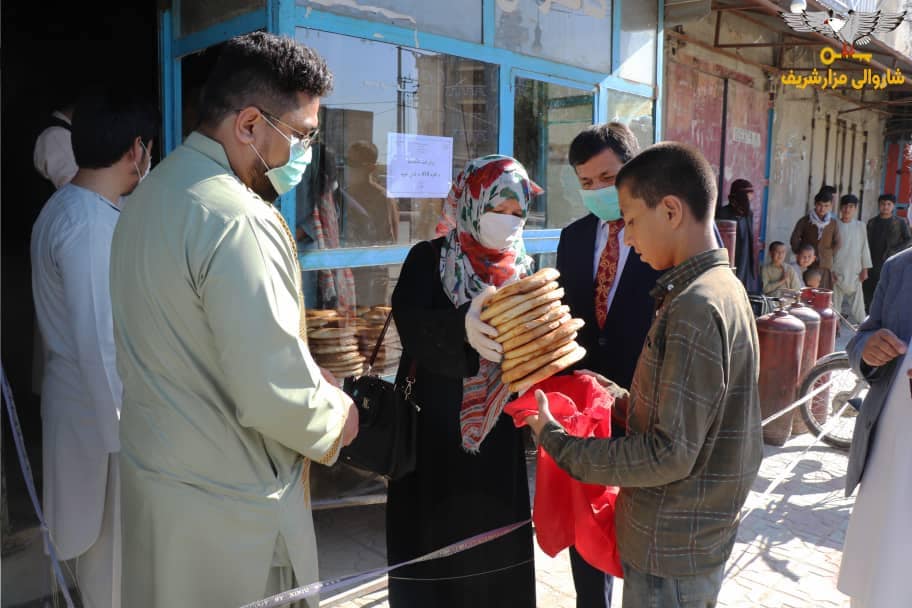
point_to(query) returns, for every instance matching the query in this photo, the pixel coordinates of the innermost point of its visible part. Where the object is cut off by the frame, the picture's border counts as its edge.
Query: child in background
(812, 277)
(804, 259)
(776, 274)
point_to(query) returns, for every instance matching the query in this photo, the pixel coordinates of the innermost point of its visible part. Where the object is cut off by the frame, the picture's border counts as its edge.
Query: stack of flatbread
(536, 331)
(371, 324)
(333, 343)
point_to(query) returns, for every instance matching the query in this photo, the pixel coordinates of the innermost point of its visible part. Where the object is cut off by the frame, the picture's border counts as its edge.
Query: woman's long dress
(452, 494)
(875, 560)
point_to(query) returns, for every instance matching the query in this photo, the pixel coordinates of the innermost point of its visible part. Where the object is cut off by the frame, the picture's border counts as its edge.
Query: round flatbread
(548, 370)
(524, 369)
(492, 310)
(317, 313)
(332, 332)
(530, 321)
(339, 358)
(320, 342)
(533, 332)
(532, 303)
(333, 349)
(530, 283)
(546, 342)
(530, 315)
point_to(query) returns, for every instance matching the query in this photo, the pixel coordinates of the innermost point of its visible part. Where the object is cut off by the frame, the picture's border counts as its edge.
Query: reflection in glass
(455, 18)
(342, 201)
(639, 21)
(548, 117)
(575, 32)
(196, 15)
(636, 113)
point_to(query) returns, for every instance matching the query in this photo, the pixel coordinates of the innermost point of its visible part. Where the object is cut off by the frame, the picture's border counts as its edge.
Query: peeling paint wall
(800, 156)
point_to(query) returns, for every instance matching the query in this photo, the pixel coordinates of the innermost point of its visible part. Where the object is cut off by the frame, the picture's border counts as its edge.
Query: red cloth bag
(566, 511)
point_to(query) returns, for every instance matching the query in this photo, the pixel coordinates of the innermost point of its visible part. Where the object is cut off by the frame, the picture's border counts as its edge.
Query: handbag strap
(373, 357)
(413, 368)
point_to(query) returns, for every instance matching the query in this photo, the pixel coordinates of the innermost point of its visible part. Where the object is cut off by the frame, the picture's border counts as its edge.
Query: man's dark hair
(887, 197)
(262, 70)
(106, 122)
(594, 140)
(775, 244)
(848, 199)
(825, 195)
(671, 168)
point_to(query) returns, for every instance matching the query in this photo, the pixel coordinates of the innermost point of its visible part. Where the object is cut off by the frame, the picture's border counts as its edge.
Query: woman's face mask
(604, 203)
(499, 230)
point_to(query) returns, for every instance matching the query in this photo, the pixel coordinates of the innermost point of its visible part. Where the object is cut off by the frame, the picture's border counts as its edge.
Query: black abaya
(452, 494)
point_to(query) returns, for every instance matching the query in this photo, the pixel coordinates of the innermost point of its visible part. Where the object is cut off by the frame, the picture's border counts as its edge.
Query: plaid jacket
(694, 444)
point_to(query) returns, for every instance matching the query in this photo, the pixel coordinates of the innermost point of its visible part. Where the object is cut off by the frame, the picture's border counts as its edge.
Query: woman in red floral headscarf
(471, 474)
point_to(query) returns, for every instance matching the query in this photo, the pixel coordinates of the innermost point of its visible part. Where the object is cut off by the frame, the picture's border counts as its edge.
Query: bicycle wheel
(820, 411)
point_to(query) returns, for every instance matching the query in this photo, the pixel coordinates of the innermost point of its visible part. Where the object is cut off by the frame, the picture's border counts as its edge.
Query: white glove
(478, 332)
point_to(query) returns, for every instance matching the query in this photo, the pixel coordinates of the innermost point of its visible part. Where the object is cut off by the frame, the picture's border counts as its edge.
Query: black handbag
(388, 421)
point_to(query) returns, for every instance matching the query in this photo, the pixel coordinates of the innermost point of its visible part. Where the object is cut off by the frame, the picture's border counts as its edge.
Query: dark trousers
(593, 587)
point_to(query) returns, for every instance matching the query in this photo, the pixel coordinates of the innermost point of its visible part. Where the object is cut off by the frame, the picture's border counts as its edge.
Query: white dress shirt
(81, 391)
(53, 155)
(601, 240)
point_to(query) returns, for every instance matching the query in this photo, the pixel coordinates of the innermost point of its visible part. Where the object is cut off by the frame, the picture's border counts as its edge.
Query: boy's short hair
(807, 247)
(596, 139)
(825, 195)
(670, 168)
(775, 244)
(848, 199)
(886, 196)
(811, 273)
(106, 123)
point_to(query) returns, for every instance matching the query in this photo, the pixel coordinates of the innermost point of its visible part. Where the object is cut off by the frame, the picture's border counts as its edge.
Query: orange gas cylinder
(781, 344)
(811, 321)
(821, 299)
(728, 230)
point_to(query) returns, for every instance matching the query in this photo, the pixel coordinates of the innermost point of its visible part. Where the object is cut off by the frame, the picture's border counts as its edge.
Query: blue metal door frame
(285, 17)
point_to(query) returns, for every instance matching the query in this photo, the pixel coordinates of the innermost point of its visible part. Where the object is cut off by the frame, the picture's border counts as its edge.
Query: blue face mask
(604, 203)
(285, 178)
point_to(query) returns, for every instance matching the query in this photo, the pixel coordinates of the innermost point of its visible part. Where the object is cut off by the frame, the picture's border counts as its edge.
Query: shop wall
(806, 153)
(705, 88)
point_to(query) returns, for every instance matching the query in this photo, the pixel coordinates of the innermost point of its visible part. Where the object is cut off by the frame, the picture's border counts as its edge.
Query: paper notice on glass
(418, 166)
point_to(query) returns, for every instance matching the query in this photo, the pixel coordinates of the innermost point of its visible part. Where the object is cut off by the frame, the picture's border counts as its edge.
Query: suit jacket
(614, 350)
(890, 309)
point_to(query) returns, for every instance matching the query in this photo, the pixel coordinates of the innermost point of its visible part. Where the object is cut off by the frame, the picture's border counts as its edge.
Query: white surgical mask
(499, 230)
(142, 175)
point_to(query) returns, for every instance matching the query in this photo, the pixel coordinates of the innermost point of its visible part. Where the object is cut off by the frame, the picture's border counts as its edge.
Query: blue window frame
(284, 17)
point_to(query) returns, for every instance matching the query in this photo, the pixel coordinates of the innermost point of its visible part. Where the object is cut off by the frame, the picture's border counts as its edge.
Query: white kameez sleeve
(84, 258)
(250, 296)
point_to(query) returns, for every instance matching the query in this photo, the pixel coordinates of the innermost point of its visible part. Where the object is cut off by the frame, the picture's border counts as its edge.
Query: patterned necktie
(607, 271)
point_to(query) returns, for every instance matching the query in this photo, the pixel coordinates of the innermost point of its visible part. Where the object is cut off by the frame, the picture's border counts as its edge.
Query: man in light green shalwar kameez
(224, 408)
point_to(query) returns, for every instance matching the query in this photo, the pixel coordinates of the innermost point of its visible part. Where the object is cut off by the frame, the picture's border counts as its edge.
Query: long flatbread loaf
(548, 370)
(529, 304)
(504, 305)
(530, 315)
(553, 314)
(530, 283)
(546, 342)
(524, 369)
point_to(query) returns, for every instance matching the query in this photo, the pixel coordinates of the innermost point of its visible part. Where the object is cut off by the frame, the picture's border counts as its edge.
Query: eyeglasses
(305, 140)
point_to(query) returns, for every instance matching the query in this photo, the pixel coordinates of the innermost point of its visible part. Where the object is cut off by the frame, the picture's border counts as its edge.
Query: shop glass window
(547, 118)
(575, 32)
(197, 15)
(454, 18)
(343, 199)
(635, 112)
(639, 23)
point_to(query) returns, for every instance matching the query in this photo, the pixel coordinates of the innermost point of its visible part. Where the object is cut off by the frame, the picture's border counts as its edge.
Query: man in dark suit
(606, 285)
